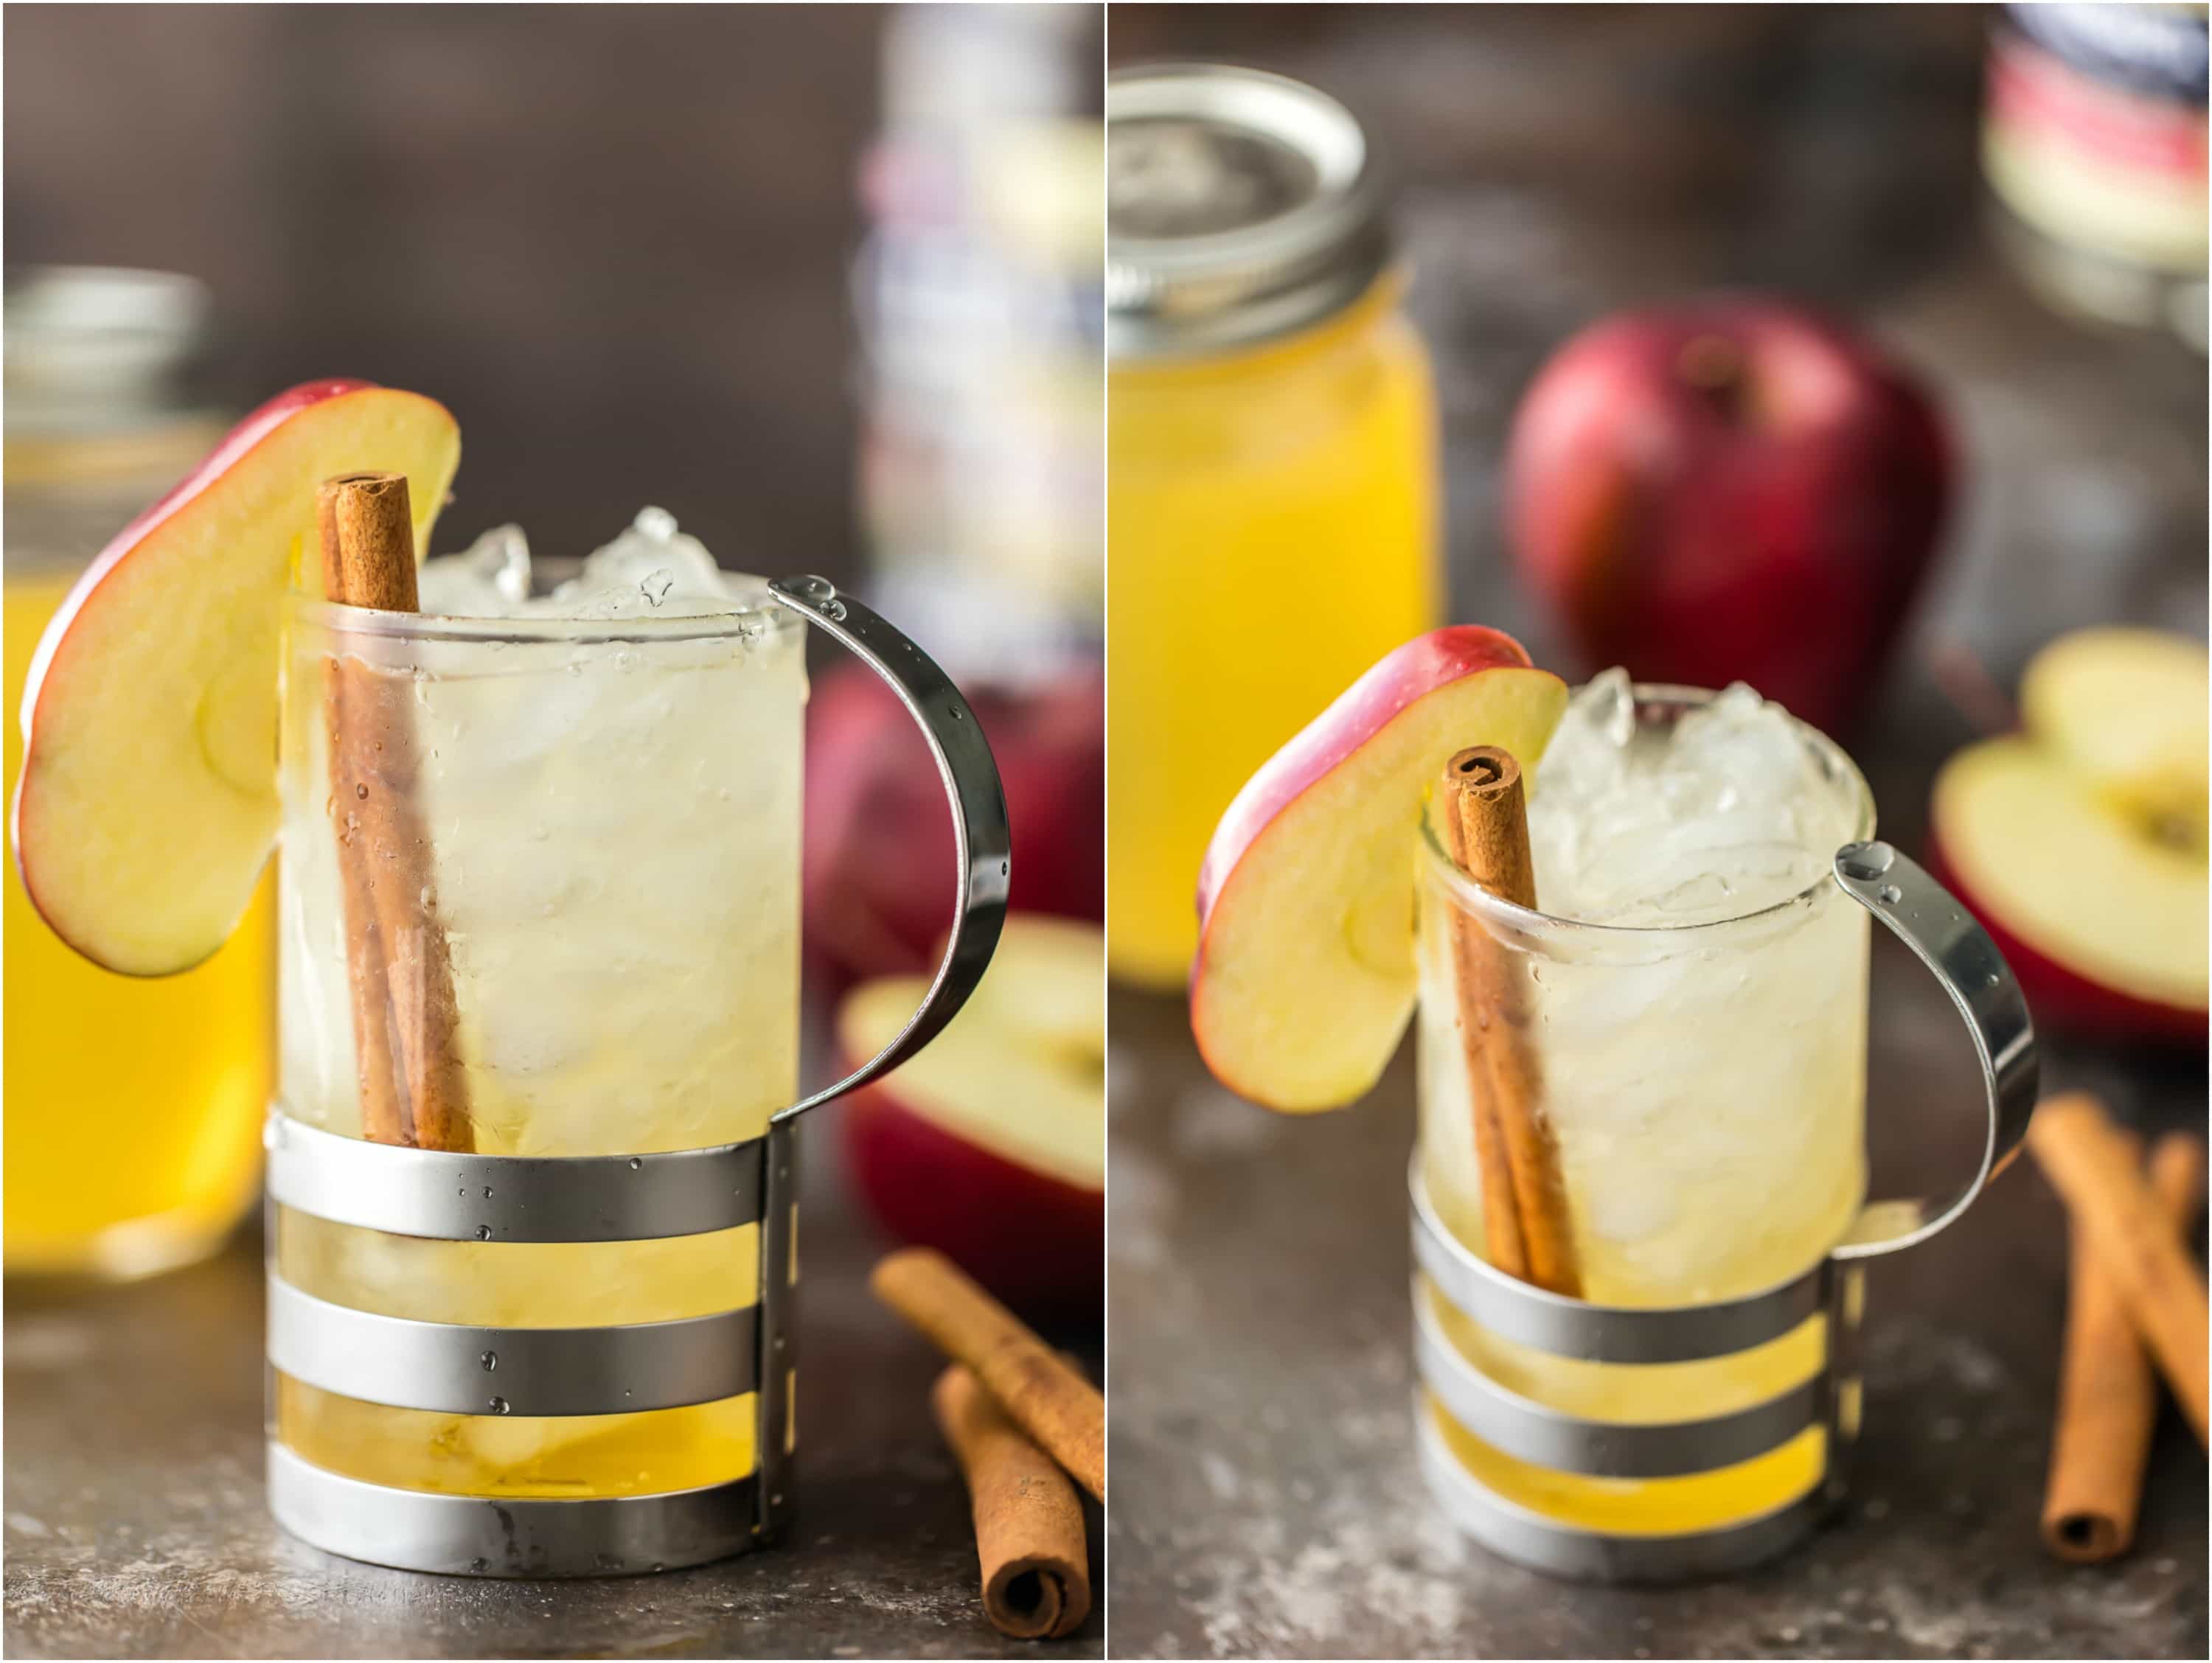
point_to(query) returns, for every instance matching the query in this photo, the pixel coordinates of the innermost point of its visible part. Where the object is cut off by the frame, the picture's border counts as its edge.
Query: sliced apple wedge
(1305, 974)
(148, 801)
(2100, 914)
(990, 1145)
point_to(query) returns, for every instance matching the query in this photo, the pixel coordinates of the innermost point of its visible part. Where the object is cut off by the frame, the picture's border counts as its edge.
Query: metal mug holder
(1968, 964)
(466, 1369)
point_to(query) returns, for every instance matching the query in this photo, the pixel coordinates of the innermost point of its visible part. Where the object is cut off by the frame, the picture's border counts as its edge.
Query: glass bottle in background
(2094, 141)
(1272, 496)
(978, 296)
(982, 392)
(134, 1108)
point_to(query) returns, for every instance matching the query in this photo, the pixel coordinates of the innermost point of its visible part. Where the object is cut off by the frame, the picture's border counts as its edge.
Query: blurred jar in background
(977, 292)
(1271, 490)
(133, 1108)
(2093, 140)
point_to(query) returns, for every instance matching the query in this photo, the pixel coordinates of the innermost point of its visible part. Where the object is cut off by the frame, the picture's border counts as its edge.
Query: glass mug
(1702, 1089)
(530, 1169)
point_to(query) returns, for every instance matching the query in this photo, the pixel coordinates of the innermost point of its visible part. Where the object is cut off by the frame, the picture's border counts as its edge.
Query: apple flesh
(2080, 843)
(990, 1145)
(147, 805)
(876, 905)
(1305, 975)
(2125, 709)
(1729, 490)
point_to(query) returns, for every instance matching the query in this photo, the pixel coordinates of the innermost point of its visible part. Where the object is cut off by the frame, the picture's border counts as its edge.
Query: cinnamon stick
(1028, 1524)
(2089, 1163)
(406, 1044)
(1042, 1395)
(1528, 1232)
(2107, 1395)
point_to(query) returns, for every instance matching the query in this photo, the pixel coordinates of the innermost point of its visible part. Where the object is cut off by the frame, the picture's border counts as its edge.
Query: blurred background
(822, 282)
(2000, 208)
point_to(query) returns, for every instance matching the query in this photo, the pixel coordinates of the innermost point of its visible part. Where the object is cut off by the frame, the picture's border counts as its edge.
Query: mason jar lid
(1239, 205)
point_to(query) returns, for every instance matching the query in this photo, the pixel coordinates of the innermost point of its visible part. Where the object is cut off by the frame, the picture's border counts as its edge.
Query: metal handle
(981, 843)
(1944, 936)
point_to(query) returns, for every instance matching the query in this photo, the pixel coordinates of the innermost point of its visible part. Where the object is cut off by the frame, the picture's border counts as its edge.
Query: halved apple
(1305, 975)
(2101, 918)
(2080, 844)
(148, 801)
(990, 1145)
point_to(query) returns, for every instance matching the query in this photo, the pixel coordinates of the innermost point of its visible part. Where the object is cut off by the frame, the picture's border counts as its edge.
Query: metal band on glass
(623, 1367)
(1943, 936)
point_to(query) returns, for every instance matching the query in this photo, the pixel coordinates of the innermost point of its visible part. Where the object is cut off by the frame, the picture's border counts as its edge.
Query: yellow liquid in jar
(1271, 522)
(134, 1107)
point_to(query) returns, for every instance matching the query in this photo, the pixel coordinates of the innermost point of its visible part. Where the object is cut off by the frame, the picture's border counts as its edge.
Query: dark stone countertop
(1559, 162)
(135, 1525)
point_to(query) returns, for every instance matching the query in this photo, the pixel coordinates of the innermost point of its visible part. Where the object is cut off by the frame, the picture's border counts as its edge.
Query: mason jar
(1272, 475)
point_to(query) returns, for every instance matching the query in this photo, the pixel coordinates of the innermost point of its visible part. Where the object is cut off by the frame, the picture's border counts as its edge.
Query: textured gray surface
(1560, 163)
(135, 1526)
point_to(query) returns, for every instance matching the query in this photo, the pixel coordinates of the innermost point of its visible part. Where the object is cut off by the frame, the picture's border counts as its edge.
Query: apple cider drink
(1694, 990)
(607, 782)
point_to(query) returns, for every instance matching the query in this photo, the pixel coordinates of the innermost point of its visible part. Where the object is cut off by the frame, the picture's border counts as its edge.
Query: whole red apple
(1731, 490)
(878, 884)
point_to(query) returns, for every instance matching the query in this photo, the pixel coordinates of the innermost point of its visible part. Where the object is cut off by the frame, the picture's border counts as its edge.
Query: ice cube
(651, 569)
(489, 579)
(1726, 813)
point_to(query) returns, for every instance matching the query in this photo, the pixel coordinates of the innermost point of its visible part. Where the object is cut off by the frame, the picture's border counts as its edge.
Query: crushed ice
(651, 570)
(1727, 813)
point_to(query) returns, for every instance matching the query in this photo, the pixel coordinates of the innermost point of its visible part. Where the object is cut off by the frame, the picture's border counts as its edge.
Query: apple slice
(148, 801)
(1305, 973)
(2101, 916)
(2126, 707)
(990, 1145)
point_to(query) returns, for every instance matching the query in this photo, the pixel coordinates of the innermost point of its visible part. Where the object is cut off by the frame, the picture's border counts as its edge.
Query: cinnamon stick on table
(406, 1046)
(1526, 1230)
(1040, 1392)
(2088, 1161)
(1028, 1524)
(2107, 1395)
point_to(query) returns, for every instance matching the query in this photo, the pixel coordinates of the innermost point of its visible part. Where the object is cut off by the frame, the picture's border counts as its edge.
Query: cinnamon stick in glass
(406, 1044)
(2107, 1394)
(1042, 1394)
(1526, 1230)
(2090, 1164)
(1029, 1523)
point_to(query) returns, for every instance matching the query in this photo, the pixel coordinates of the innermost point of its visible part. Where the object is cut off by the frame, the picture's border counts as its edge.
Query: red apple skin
(2064, 1000)
(1402, 677)
(1036, 1241)
(1731, 490)
(878, 874)
(112, 563)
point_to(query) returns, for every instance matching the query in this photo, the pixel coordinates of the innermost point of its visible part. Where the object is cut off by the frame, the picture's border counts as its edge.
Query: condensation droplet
(483, 1232)
(637, 1165)
(499, 1406)
(1890, 894)
(490, 1361)
(361, 792)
